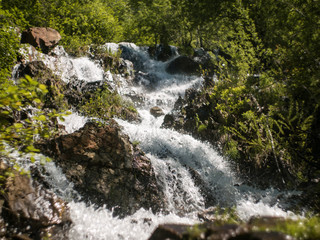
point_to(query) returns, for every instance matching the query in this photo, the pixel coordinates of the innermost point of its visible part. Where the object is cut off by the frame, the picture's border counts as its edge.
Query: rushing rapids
(180, 162)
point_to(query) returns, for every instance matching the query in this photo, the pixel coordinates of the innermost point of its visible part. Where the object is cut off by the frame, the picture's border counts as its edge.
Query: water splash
(64, 66)
(99, 224)
(73, 122)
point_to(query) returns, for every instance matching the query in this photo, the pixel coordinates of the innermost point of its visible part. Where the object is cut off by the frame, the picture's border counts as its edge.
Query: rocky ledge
(28, 210)
(106, 168)
(255, 229)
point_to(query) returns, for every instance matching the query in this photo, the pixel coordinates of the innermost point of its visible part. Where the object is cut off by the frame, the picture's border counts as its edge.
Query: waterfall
(176, 158)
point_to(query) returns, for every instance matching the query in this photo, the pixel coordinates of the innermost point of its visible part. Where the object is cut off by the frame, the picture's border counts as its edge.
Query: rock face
(28, 211)
(106, 168)
(40, 37)
(200, 63)
(194, 106)
(183, 65)
(162, 52)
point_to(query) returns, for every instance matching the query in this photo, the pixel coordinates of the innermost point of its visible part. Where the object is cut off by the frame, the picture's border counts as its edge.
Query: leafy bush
(105, 104)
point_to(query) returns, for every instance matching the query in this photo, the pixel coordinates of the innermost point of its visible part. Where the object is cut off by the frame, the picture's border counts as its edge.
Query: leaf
(42, 118)
(42, 87)
(32, 159)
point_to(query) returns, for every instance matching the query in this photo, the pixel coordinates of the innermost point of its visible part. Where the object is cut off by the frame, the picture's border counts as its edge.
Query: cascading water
(173, 154)
(177, 159)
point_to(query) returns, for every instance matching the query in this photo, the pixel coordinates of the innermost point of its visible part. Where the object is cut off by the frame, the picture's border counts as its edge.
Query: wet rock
(179, 103)
(225, 231)
(183, 65)
(266, 221)
(131, 52)
(29, 211)
(156, 112)
(34, 69)
(216, 230)
(40, 37)
(208, 215)
(106, 168)
(203, 231)
(78, 91)
(168, 121)
(55, 86)
(262, 236)
(203, 58)
(148, 80)
(113, 62)
(73, 94)
(310, 199)
(206, 192)
(170, 231)
(175, 121)
(192, 111)
(162, 52)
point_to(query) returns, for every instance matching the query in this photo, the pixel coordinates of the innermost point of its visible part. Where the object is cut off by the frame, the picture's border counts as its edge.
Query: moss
(202, 127)
(308, 228)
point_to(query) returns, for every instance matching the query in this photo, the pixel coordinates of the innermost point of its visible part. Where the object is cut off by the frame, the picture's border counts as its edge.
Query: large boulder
(29, 208)
(133, 53)
(106, 168)
(162, 52)
(219, 230)
(170, 231)
(183, 65)
(156, 111)
(40, 37)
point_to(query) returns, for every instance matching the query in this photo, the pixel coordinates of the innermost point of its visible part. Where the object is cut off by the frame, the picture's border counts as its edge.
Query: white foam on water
(99, 224)
(87, 70)
(73, 122)
(66, 67)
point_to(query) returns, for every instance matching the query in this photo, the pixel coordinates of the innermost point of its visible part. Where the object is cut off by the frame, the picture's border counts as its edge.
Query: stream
(172, 155)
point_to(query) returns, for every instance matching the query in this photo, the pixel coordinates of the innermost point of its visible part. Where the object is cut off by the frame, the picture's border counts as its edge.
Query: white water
(172, 155)
(73, 122)
(64, 66)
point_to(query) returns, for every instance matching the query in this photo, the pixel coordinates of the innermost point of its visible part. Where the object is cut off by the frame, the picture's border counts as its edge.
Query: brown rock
(30, 208)
(106, 168)
(170, 231)
(156, 112)
(40, 37)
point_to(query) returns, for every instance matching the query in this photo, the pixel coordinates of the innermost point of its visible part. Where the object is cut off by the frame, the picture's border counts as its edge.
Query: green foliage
(16, 130)
(105, 104)
(135, 143)
(111, 61)
(196, 231)
(79, 22)
(9, 43)
(261, 79)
